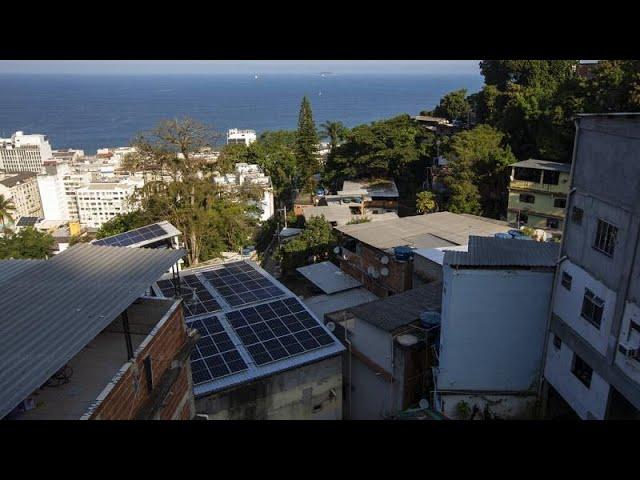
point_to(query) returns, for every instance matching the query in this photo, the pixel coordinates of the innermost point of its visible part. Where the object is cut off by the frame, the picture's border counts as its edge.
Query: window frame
(564, 283)
(594, 313)
(523, 196)
(606, 238)
(555, 200)
(584, 375)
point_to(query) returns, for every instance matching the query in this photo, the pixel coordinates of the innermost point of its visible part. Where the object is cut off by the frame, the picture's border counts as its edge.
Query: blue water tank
(503, 235)
(430, 319)
(516, 233)
(403, 254)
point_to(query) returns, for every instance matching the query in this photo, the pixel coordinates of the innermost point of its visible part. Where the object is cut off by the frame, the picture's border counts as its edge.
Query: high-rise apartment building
(24, 153)
(22, 189)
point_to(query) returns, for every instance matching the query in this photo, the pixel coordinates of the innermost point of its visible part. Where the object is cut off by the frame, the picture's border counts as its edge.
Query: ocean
(91, 112)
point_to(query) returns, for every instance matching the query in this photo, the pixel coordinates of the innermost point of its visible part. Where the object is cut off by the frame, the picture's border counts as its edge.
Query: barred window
(605, 238)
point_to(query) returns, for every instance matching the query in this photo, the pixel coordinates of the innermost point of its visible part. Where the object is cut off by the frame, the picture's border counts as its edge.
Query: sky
(167, 67)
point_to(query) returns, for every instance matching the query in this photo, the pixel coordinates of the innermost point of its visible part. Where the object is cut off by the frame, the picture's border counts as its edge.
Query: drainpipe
(562, 258)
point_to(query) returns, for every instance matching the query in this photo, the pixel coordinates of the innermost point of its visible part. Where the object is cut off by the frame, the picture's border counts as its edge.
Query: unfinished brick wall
(129, 393)
(398, 280)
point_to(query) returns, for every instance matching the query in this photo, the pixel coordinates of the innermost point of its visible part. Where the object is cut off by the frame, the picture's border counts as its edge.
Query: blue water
(91, 112)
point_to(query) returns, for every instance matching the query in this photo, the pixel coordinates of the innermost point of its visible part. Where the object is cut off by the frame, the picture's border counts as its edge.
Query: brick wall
(128, 394)
(398, 280)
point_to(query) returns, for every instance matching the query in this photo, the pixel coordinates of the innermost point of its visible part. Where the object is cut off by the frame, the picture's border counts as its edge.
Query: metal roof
(399, 310)
(53, 308)
(323, 304)
(328, 278)
(341, 214)
(502, 252)
(436, 255)
(543, 165)
(11, 268)
(444, 229)
(170, 230)
(254, 371)
(374, 188)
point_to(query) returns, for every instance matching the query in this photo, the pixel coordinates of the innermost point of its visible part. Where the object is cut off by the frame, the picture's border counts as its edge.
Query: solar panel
(196, 298)
(277, 330)
(131, 237)
(27, 221)
(240, 284)
(214, 355)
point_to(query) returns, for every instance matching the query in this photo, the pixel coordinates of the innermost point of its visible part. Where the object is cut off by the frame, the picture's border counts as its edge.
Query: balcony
(562, 187)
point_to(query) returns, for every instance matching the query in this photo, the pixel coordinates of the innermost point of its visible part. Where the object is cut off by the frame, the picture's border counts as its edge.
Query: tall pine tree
(307, 145)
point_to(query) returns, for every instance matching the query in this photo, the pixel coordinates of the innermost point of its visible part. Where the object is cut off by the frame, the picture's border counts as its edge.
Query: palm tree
(334, 131)
(6, 207)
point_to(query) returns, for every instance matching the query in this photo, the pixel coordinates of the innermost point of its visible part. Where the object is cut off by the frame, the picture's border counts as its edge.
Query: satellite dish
(336, 250)
(384, 271)
(384, 260)
(331, 326)
(423, 403)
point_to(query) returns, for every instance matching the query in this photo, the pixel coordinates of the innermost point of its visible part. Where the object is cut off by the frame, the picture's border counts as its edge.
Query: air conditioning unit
(628, 350)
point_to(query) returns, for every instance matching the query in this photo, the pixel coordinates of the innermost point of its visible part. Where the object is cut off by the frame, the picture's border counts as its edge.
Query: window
(527, 198)
(527, 174)
(560, 203)
(553, 223)
(550, 177)
(592, 308)
(605, 238)
(576, 215)
(582, 371)
(566, 280)
(557, 343)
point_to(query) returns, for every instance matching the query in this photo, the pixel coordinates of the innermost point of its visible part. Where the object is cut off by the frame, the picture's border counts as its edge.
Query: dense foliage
(307, 145)
(426, 202)
(28, 243)
(314, 244)
(454, 106)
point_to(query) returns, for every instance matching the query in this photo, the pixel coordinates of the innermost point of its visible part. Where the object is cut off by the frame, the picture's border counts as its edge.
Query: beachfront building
(58, 185)
(250, 176)
(592, 368)
(242, 137)
(24, 153)
(538, 194)
(99, 202)
(22, 189)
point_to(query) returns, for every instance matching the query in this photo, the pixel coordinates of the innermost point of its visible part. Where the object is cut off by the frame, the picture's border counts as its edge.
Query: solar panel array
(197, 299)
(143, 234)
(278, 329)
(215, 355)
(27, 221)
(240, 284)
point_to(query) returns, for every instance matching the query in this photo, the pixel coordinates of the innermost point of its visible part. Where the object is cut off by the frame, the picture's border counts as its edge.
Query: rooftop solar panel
(277, 330)
(241, 284)
(27, 221)
(214, 355)
(197, 299)
(132, 237)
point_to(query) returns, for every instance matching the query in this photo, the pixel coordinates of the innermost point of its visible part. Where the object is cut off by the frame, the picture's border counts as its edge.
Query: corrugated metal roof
(329, 278)
(502, 252)
(399, 310)
(52, 309)
(323, 304)
(10, 268)
(543, 165)
(170, 230)
(451, 228)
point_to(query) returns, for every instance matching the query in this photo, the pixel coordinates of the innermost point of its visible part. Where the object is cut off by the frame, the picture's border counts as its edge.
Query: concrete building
(24, 153)
(262, 354)
(250, 176)
(92, 343)
(592, 366)
(367, 196)
(437, 125)
(338, 215)
(538, 194)
(100, 202)
(494, 308)
(389, 355)
(58, 185)
(67, 155)
(243, 137)
(22, 189)
(380, 254)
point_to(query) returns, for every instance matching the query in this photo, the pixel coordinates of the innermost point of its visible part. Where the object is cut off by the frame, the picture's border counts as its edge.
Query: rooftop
(543, 165)
(372, 188)
(436, 255)
(341, 214)
(328, 278)
(142, 236)
(399, 310)
(323, 304)
(79, 292)
(433, 230)
(12, 179)
(501, 252)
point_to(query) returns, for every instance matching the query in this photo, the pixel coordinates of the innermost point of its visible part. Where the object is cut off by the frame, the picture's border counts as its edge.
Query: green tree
(315, 243)
(6, 209)
(454, 106)
(334, 131)
(28, 243)
(307, 145)
(123, 223)
(229, 156)
(426, 202)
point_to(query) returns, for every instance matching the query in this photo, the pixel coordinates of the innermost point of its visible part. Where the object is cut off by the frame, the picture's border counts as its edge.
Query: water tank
(503, 235)
(430, 319)
(516, 233)
(403, 254)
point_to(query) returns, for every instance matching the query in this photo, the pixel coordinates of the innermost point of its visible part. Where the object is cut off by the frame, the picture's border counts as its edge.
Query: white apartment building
(58, 186)
(251, 174)
(100, 202)
(592, 360)
(22, 189)
(24, 153)
(246, 137)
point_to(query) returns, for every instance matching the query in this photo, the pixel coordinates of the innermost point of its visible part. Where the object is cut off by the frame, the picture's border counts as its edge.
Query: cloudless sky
(157, 67)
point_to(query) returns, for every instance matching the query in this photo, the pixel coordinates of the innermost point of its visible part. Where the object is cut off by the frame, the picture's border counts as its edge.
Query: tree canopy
(307, 145)
(28, 243)
(454, 106)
